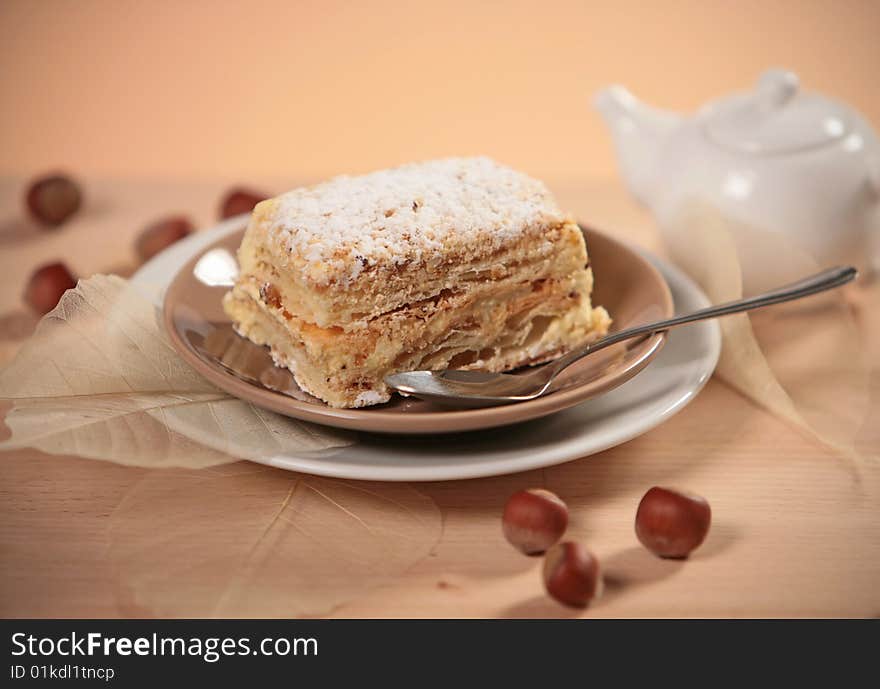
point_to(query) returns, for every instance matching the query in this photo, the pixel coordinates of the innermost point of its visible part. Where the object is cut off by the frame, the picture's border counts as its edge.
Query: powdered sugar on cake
(410, 215)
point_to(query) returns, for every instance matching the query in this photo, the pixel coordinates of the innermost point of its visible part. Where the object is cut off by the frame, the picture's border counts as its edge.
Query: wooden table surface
(796, 529)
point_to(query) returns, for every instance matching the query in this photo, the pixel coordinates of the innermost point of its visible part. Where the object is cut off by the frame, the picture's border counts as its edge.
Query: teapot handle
(874, 175)
(874, 227)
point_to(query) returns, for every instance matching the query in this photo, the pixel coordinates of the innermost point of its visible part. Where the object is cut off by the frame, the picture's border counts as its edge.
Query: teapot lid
(775, 118)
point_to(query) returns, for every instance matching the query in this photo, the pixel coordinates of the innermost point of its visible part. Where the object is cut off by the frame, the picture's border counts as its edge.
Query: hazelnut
(672, 523)
(46, 285)
(572, 574)
(239, 200)
(52, 199)
(534, 520)
(162, 234)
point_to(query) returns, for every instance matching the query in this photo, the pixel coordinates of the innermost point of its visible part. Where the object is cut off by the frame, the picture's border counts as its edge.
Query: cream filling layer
(511, 326)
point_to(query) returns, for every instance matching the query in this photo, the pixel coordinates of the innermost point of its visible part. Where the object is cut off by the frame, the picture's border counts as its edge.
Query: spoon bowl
(470, 389)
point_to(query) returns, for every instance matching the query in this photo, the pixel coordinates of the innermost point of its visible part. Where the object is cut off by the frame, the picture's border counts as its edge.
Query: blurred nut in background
(52, 199)
(162, 234)
(672, 523)
(46, 285)
(240, 200)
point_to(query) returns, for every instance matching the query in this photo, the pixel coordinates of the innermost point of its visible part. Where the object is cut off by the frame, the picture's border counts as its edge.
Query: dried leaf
(99, 379)
(293, 545)
(802, 361)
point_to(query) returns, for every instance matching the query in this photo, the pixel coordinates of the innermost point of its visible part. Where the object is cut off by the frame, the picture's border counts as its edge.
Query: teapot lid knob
(775, 117)
(776, 87)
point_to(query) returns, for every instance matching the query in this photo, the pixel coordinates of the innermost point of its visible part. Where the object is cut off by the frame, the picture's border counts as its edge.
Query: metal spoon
(454, 388)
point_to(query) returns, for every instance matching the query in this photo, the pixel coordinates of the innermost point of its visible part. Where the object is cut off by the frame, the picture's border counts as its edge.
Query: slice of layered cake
(456, 263)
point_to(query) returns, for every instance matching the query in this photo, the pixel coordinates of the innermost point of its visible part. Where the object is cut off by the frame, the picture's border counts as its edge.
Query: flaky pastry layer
(550, 252)
(521, 324)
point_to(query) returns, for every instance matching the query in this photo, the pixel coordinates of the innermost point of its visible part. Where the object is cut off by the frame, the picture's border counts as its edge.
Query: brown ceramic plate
(627, 285)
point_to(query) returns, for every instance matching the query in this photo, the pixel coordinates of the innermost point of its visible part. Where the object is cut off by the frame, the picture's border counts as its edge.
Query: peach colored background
(306, 89)
(193, 94)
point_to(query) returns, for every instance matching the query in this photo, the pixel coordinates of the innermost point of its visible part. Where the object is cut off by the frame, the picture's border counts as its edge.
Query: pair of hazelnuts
(670, 523)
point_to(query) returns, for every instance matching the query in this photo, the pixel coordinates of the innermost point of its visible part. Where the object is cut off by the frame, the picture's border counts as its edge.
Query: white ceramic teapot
(777, 158)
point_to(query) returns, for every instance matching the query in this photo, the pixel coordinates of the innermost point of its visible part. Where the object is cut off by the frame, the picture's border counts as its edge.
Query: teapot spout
(638, 132)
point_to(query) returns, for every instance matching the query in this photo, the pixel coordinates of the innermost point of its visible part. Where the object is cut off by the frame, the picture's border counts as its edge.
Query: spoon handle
(827, 279)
